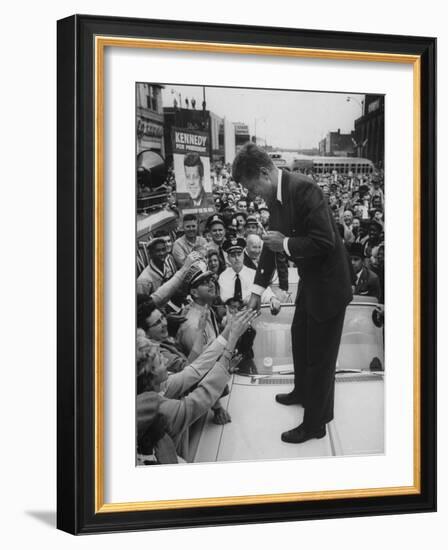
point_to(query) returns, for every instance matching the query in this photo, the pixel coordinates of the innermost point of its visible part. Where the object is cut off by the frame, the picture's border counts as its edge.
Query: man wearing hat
(217, 228)
(200, 317)
(235, 284)
(252, 225)
(202, 291)
(366, 283)
(301, 225)
(237, 280)
(160, 269)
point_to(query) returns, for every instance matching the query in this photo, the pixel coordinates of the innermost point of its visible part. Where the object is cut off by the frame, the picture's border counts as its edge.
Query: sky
(288, 119)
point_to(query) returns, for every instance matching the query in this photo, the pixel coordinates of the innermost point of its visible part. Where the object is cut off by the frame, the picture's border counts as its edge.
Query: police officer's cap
(197, 277)
(236, 244)
(212, 220)
(251, 220)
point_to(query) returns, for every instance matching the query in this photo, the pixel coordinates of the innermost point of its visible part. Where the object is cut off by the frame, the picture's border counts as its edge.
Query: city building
(233, 135)
(335, 144)
(369, 130)
(242, 135)
(216, 140)
(150, 121)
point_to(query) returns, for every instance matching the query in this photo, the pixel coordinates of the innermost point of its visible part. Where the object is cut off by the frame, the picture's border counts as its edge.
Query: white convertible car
(258, 420)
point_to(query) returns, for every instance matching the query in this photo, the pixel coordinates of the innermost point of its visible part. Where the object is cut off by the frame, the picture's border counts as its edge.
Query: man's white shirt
(247, 275)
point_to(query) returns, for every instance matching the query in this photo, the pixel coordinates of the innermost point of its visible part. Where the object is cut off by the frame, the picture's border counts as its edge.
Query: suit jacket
(282, 268)
(368, 284)
(248, 262)
(315, 246)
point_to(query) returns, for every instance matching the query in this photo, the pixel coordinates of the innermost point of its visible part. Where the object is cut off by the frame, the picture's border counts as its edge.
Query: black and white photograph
(260, 240)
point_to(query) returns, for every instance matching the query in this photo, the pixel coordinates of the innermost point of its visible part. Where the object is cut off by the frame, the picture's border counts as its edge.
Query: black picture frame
(76, 511)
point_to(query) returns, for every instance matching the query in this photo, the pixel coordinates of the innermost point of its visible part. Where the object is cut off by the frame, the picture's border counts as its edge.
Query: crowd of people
(193, 327)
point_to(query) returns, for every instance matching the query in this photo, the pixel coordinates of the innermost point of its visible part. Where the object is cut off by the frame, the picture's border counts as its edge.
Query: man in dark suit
(301, 225)
(366, 282)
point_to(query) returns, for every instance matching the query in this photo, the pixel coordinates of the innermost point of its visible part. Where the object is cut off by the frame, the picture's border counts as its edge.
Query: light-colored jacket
(181, 409)
(182, 247)
(152, 278)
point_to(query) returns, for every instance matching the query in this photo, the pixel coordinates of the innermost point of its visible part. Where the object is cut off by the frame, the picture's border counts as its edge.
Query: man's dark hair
(145, 308)
(249, 161)
(193, 159)
(152, 244)
(161, 233)
(234, 301)
(189, 218)
(212, 252)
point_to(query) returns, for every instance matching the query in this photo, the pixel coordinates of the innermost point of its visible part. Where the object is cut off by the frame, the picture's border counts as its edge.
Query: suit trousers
(315, 347)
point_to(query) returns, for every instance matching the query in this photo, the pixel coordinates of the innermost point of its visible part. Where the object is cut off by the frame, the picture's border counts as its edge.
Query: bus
(326, 165)
(278, 160)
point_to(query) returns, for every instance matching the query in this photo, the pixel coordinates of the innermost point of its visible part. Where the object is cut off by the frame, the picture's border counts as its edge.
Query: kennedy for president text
(186, 141)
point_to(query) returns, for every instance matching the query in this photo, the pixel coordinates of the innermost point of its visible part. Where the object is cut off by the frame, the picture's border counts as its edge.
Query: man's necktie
(238, 295)
(213, 321)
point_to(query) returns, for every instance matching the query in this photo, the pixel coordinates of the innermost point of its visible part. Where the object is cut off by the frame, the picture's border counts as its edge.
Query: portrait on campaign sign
(191, 162)
(260, 298)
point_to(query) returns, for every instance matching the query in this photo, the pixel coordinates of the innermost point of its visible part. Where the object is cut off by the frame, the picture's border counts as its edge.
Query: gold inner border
(101, 42)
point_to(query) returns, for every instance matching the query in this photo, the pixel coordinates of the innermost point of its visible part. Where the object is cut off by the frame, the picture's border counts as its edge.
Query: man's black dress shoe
(288, 399)
(300, 435)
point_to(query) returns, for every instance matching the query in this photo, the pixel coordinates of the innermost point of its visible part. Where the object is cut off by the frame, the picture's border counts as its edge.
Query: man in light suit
(301, 225)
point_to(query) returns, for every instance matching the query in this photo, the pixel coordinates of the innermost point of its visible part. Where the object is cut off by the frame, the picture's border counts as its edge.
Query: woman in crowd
(213, 261)
(154, 445)
(180, 404)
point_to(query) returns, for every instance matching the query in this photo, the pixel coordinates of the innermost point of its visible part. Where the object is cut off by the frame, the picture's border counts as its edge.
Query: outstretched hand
(240, 322)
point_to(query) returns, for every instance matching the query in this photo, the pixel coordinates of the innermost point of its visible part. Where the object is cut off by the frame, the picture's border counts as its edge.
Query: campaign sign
(191, 156)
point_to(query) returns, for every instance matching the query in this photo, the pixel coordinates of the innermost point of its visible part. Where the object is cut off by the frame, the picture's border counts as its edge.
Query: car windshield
(361, 344)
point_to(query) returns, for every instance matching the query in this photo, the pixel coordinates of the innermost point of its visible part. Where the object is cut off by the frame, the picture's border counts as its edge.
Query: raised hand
(191, 259)
(240, 322)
